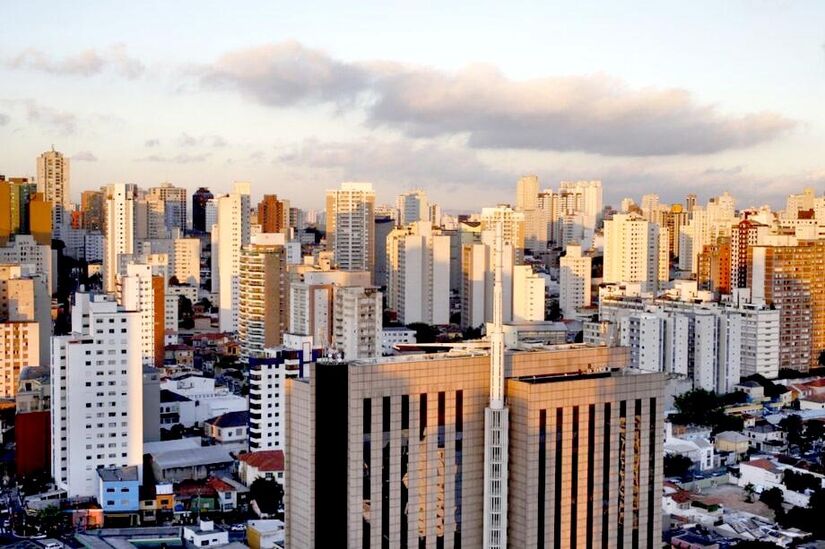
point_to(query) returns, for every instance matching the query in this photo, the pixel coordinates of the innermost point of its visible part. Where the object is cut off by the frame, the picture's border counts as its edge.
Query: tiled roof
(230, 419)
(264, 460)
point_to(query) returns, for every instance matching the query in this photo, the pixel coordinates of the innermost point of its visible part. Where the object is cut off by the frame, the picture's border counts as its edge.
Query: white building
(184, 258)
(205, 534)
(53, 181)
(267, 386)
(528, 295)
(211, 400)
(392, 336)
(418, 285)
(574, 280)
(635, 251)
(97, 394)
(356, 331)
(229, 235)
(351, 226)
(311, 302)
(141, 289)
(413, 206)
(174, 202)
(22, 249)
(585, 198)
(119, 206)
(93, 246)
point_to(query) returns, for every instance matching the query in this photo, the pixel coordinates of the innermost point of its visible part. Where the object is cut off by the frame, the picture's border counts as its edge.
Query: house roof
(115, 474)
(34, 372)
(230, 419)
(731, 436)
(264, 460)
(765, 464)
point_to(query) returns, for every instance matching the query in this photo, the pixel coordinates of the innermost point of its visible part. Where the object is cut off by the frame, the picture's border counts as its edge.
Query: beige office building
(390, 452)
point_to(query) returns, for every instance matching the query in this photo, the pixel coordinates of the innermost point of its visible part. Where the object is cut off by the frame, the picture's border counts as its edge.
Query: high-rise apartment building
(20, 329)
(389, 452)
(174, 205)
(790, 278)
(273, 214)
(92, 206)
(97, 394)
(413, 206)
(512, 222)
(418, 286)
(357, 318)
(199, 200)
(535, 219)
(53, 181)
(311, 302)
(150, 216)
(120, 229)
(574, 280)
(384, 225)
(351, 227)
(744, 234)
(183, 256)
(41, 220)
(528, 294)
(141, 288)
(229, 235)
(263, 307)
(22, 249)
(20, 190)
(635, 251)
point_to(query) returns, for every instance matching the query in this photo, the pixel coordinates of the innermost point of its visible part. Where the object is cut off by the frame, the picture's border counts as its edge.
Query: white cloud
(84, 156)
(89, 62)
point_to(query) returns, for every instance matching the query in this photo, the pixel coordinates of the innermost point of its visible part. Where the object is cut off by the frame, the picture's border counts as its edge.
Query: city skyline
(720, 98)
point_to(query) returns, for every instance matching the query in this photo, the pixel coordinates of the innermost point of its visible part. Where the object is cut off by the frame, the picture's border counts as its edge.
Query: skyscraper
(351, 227)
(230, 234)
(574, 280)
(413, 206)
(120, 229)
(97, 394)
(174, 205)
(53, 182)
(390, 451)
(635, 251)
(199, 200)
(263, 300)
(91, 204)
(273, 214)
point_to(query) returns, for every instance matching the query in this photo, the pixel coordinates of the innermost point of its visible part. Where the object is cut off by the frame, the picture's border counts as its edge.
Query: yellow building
(40, 220)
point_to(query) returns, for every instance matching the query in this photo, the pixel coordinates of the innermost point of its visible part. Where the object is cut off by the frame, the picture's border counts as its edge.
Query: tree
(749, 492)
(185, 313)
(821, 359)
(676, 465)
(424, 333)
(267, 493)
(792, 425)
(554, 313)
(773, 498)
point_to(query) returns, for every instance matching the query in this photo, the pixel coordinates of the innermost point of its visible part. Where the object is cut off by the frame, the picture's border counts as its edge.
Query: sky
(458, 98)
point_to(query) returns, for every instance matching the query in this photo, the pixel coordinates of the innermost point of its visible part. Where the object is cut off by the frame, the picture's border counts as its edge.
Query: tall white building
(96, 394)
(53, 181)
(229, 235)
(119, 206)
(585, 198)
(141, 289)
(527, 202)
(150, 217)
(311, 302)
(351, 226)
(528, 295)
(23, 249)
(512, 223)
(418, 265)
(357, 322)
(574, 280)
(635, 251)
(413, 206)
(184, 256)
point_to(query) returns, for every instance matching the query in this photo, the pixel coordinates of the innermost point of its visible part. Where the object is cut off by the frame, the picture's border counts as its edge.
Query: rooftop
(129, 473)
(265, 460)
(170, 396)
(230, 419)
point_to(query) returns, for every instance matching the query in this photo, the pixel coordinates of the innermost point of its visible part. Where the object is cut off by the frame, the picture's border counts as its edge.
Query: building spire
(496, 417)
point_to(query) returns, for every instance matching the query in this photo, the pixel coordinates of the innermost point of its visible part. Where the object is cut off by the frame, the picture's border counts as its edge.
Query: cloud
(592, 113)
(186, 140)
(84, 156)
(65, 123)
(4, 119)
(149, 143)
(400, 161)
(256, 156)
(177, 159)
(89, 62)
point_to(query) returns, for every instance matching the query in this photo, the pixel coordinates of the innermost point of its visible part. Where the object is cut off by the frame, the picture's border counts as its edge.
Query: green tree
(749, 492)
(554, 312)
(793, 427)
(267, 493)
(424, 333)
(774, 499)
(676, 465)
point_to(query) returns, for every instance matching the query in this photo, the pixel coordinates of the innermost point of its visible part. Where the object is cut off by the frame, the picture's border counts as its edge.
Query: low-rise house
(766, 437)
(268, 464)
(231, 494)
(265, 534)
(812, 402)
(205, 534)
(732, 441)
(228, 428)
(765, 474)
(754, 390)
(191, 463)
(691, 444)
(118, 489)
